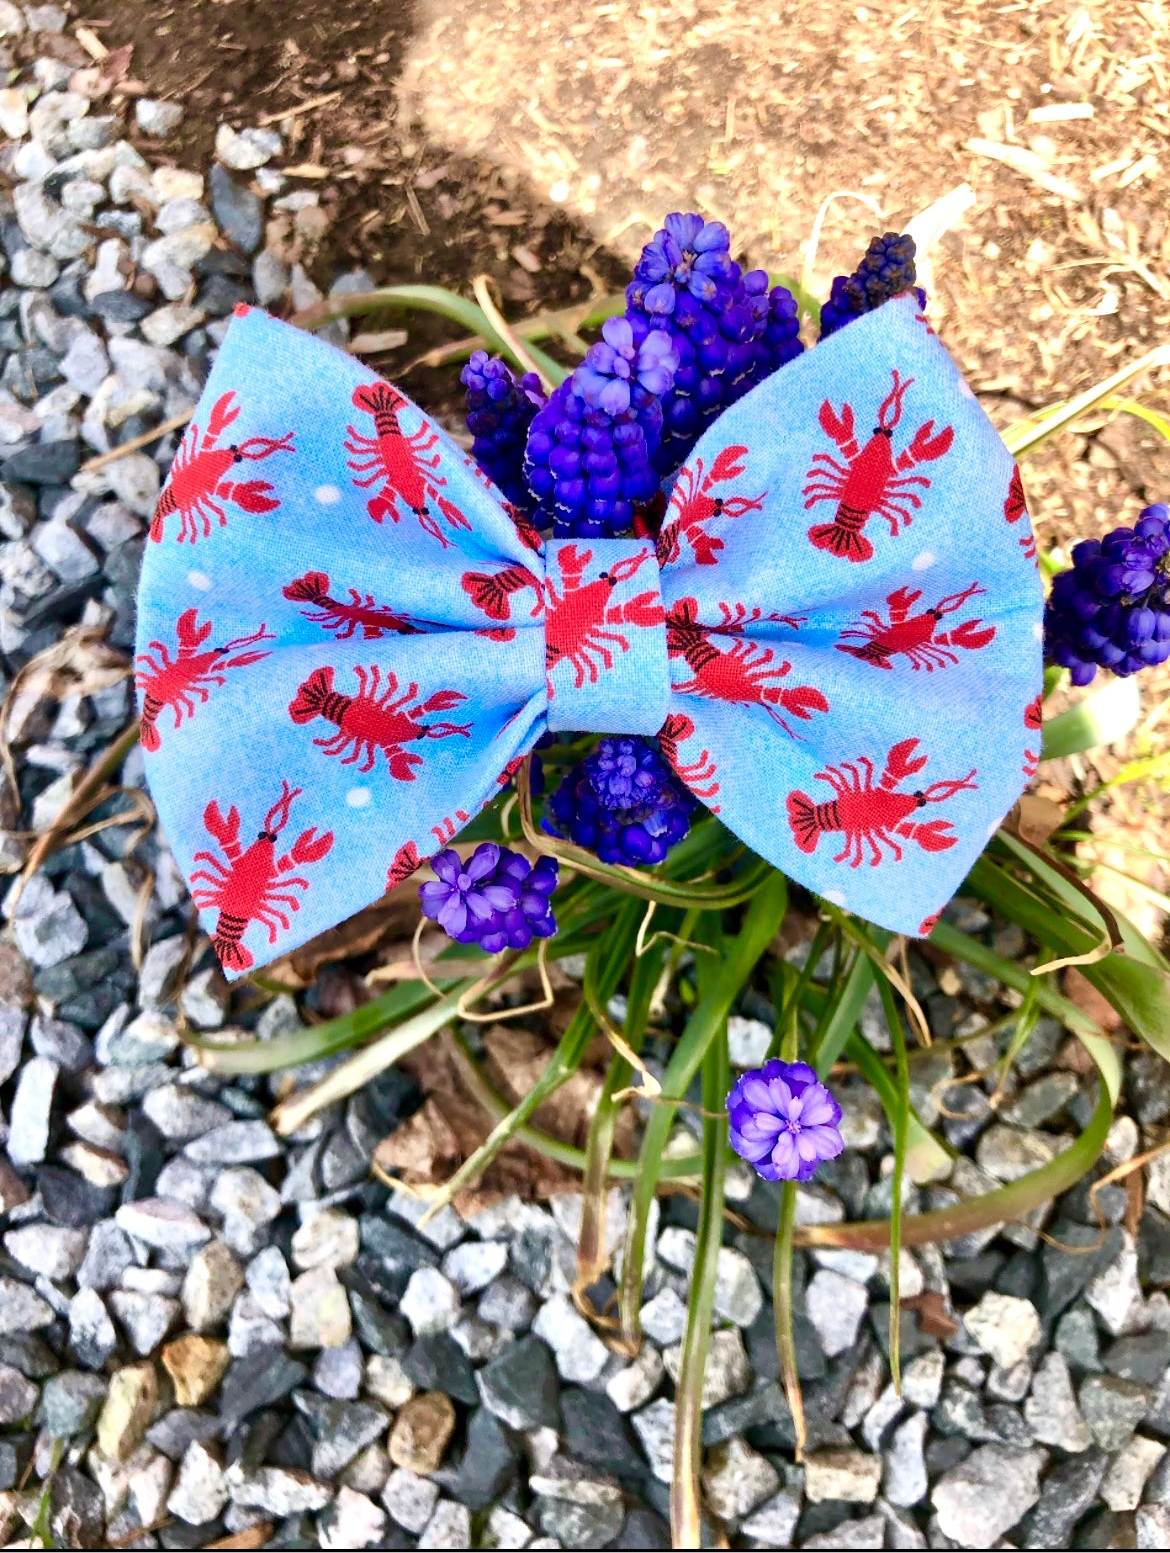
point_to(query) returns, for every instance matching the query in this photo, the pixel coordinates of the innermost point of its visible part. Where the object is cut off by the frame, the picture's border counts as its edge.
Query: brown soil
(543, 143)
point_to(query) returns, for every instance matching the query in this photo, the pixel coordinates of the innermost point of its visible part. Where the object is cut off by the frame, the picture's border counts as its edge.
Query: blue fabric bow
(347, 641)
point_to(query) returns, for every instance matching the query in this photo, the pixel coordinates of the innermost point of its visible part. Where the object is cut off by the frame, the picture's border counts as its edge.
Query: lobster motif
(253, 885)
(1033, 719)
(344, 619)
(374, 719)
(746, 673)
(575, 616)
(872, 479)
(875, 813)
(172, 681)
(403, 467)
(674, 730)
(692, 505)
(492, 592)
(916, 636)
(1015, 507)
(406, 862)
(447, 829)
(198, 488)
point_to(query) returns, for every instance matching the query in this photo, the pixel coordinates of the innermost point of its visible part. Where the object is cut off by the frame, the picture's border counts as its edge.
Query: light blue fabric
(342, 632)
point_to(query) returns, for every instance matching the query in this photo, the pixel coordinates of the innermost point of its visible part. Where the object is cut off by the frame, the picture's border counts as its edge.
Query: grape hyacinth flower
(1111, 609)
(622, 802)
(687, 254)
(588, 469)
(775, 337)
(496, 898)
(784, 1122)
(605, 378)
(687, 283)
(500, 409)
(887, 270)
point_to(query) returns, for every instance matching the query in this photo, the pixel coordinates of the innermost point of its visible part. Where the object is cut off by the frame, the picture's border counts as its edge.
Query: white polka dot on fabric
(1038, 630)
(358, 797)
(327, 495)
(836, 896)
(923, 561)
(199, 580)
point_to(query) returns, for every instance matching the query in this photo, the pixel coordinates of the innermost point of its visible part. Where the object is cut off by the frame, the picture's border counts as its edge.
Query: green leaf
(1101, 718)
(685, 1497)
(760, 922)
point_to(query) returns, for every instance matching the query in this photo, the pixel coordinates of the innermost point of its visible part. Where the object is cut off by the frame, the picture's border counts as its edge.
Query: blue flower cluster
(622, 802)
(590, 456)
(886, 271)
(496, 898)
(1111, 609)
(717, 318)
(500, 410)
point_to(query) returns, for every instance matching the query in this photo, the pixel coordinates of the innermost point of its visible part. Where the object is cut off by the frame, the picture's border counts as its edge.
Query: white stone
(579, 1352)
(160, 1222)
(835, 1306)
(1005, 1327)
(842, 1473)
(1122, 1486)
(430, 1302)
(352, 1521)
(410, 1499)
(246, 149)
(747, 1041)
(327, 1238)
(737, 1479)
(200, 1492)
(738, 1296)
(664, 1318)
(1115, 1293)
(727, 1373)
(638, 1381)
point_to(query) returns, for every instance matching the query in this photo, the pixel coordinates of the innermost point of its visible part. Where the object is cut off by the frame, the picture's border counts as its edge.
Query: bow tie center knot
(605, 636)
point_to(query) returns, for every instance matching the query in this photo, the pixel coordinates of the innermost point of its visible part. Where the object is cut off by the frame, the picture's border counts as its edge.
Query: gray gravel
(205, 1326)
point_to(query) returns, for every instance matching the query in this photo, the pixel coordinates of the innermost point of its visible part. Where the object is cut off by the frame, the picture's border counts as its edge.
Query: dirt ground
(544, 143)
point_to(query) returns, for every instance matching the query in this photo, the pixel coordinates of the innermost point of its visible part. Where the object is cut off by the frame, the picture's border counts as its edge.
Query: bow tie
(347, 641)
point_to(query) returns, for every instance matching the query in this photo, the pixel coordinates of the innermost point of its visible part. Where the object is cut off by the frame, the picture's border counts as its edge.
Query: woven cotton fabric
(347, 640)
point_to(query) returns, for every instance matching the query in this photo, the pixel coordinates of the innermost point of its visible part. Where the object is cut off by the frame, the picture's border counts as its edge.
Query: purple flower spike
(784, 1121)
(606, 376)
(1111, 609)
(496, 899)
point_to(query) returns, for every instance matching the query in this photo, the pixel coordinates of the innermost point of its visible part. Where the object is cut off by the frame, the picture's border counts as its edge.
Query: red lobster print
(872, 478)
(575, 616)
(746, 673)
(916, 636)
(172, 681)
(403, 467)
(375, 719)
(1015, 507)
(406, 862)
(692, 505)
(253, 885)
(874, 813)
(1033, 719)
(344, 619)
(492, 592)
(674, 730)
(198, 487)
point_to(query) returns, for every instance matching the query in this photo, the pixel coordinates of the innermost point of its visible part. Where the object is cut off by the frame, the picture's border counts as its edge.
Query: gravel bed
(205, 1328)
